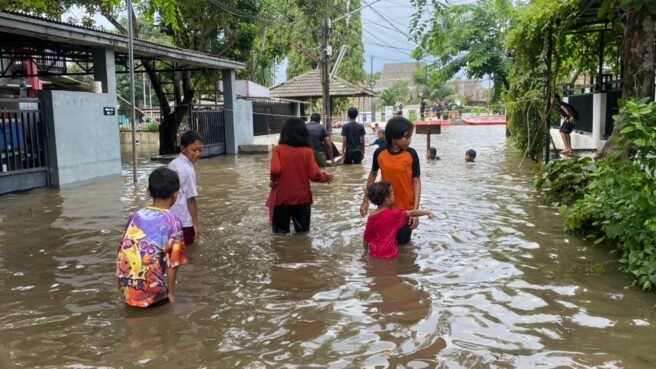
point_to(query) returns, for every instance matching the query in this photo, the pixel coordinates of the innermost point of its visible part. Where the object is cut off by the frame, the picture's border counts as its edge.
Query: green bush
(616, 201)
(412, 117)
(153, 126)
(563, 181)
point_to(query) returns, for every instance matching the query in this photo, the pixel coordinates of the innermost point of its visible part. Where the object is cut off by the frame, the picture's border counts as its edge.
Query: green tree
(430, 85)
(470, 37)
(307, 31)
(397, 91)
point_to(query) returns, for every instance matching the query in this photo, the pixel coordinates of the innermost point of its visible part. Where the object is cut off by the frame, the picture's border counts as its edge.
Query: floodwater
(493, 283)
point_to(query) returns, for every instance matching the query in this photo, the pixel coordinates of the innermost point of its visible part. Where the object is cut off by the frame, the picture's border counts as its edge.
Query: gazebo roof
(308, 85)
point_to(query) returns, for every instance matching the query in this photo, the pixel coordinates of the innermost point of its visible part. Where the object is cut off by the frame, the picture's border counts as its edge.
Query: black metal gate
(211, 126)
(23, 152)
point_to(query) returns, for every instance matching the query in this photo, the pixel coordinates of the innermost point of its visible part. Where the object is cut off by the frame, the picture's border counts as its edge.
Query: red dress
(380, 233)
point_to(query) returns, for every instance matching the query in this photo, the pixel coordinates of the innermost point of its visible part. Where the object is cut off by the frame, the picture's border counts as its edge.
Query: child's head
(294, 133)
(191, 145)
(352, 113)
(163, 183)
(470, 155)
(380, 194)
(398, 132)
(432, 153)
(381, 134)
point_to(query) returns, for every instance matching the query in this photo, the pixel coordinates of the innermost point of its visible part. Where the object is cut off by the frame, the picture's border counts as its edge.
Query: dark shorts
(298, 214)
(403, 235)
(164, 301)
(188, 233)
(567, 128)
(354, 157)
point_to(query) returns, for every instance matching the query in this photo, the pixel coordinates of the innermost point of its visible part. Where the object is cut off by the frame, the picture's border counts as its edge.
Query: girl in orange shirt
(399, 165)
(292, 168)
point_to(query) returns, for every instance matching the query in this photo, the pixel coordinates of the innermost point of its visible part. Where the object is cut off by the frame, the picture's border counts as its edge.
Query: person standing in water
(186, 206)
(399, 165)
(292, 168)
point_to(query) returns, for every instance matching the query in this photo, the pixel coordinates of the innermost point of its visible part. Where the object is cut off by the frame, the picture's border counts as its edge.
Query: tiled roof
(308, 85)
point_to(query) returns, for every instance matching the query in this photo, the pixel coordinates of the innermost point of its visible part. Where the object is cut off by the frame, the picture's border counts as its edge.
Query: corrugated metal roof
(308, 85)
(66, 33)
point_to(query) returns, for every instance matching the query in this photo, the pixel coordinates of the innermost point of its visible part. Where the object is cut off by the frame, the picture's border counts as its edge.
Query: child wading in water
(292, 168)
(399, 165)
(384, 222)
(152, 247)
(186, 207)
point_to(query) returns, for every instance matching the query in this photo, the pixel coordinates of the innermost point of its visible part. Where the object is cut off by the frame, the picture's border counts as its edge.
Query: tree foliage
(430, 85)
(307, 31)
(397, 92)
(469, 37)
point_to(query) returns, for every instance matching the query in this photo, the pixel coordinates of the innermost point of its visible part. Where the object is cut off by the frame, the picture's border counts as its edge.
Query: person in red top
(292, 168)
(384, 223)
(399, 165)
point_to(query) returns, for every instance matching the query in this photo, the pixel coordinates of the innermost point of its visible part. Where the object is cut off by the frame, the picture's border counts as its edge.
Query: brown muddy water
(493, 283)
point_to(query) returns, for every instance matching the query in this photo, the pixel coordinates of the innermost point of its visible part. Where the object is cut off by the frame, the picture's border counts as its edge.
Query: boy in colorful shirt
(152, 246)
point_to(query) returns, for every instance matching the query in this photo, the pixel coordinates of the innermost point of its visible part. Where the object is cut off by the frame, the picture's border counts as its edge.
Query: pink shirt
(380, 233)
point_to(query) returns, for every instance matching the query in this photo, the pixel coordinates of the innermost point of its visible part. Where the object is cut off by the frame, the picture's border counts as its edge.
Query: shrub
(563, 181)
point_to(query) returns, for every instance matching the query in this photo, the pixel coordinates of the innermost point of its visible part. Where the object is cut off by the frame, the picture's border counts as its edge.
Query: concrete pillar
(298, 109)
(229, 99)
(598, 119)
(104, 69)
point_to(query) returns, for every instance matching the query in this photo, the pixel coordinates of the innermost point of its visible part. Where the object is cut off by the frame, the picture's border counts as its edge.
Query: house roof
(15, 27)
(308, 85)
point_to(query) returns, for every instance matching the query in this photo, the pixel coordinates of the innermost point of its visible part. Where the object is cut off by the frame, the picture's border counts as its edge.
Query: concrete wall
(145, 138)
(584, 140)
(83, 143)
(242, 131)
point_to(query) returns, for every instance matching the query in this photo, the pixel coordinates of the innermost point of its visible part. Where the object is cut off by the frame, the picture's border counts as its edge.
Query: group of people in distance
(155, 237)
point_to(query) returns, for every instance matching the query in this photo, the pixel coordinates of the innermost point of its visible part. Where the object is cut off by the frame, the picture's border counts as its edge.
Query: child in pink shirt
(384, 222)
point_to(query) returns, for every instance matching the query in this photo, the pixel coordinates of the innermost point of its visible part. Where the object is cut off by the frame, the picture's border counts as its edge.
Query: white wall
(83, 143)
(242, 132)
(585, 140)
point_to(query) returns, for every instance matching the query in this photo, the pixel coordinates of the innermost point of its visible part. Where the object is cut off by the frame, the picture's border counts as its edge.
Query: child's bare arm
(420, 213)
(171, 274)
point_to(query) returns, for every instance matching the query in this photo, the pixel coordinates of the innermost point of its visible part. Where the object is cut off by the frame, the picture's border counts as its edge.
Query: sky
(384, 39)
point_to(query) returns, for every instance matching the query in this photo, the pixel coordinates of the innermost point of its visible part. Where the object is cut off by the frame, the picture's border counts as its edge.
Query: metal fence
(270, 116)
(211, 126)
(22, 140)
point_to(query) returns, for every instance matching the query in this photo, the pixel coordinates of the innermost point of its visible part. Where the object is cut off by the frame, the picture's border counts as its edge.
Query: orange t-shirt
(399, 169)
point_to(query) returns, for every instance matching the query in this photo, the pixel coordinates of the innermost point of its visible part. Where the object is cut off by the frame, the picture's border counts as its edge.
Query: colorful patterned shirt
(151, 243)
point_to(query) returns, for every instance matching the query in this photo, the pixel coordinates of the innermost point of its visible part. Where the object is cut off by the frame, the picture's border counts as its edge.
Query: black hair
(163, 183)
(471, 153)
(433, 153)
(395, 129)
(294, 133)
(352, 113)
(190, 137)
(378, 192)
(315, 117)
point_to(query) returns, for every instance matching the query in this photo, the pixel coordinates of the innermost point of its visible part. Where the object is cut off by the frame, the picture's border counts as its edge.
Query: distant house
(393, 73)
(471, 89)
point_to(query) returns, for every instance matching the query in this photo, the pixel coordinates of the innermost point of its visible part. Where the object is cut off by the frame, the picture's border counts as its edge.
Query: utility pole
(132, 112)
(372, 83)
(325, 76)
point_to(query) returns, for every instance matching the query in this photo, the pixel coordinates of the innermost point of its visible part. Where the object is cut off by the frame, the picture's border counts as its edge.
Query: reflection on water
(493, 283)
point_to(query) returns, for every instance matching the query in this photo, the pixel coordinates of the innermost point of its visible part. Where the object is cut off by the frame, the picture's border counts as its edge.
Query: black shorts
(567, 128)
(354, 157)
(403, 235)
(298, 214)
